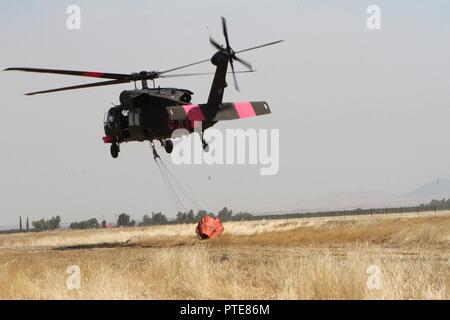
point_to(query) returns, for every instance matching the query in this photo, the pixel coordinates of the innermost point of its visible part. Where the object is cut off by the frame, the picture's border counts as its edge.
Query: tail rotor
(232, 54)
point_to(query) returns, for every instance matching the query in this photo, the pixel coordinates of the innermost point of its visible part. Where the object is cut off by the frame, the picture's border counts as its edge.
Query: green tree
(242, 216)
(200, 214)
(44, 225)
(54, 223)
(156, 218)
(39, 225)
(88, 224)
(181, 216)
(123, 220)
(159, 218)
(225, 214)
(190, 216)
(146, 220)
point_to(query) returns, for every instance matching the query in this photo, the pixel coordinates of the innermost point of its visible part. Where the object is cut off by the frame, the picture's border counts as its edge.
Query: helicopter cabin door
(135, 125)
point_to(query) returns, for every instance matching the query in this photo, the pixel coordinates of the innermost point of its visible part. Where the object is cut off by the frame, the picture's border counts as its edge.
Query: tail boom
(225, 111)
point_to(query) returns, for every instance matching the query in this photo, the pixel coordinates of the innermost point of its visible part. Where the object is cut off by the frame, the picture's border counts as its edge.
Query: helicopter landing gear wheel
(115, 149)
(168, 145)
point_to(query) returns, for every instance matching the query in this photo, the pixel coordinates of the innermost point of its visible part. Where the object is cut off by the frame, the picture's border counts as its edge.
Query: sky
(357, 109)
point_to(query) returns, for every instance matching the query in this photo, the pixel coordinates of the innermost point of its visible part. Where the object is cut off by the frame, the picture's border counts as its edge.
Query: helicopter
(153, 114)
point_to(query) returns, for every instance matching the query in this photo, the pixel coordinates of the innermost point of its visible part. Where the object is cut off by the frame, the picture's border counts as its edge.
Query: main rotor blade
(82, 86)
(245, 63)
(261, 46)
(91, 74)
(225, 32)
(182, 67)
(199, 74)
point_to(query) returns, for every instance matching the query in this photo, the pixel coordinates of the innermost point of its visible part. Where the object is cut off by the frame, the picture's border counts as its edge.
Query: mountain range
(437, 189)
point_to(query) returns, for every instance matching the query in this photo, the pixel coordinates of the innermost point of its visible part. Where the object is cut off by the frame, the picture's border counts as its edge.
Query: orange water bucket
(209, 228)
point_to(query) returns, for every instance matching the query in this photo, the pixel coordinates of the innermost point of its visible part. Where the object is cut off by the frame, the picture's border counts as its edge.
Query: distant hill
(437, 189)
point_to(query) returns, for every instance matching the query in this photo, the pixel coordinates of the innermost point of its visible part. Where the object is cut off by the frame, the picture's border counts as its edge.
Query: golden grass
(296, 259)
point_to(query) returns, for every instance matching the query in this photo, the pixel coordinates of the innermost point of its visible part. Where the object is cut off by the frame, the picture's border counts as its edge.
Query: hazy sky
(357, 109)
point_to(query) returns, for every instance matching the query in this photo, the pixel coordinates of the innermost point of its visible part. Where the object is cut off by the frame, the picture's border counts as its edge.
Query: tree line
(158, 218)
(443, 204)
(125, 220)
(224, 215)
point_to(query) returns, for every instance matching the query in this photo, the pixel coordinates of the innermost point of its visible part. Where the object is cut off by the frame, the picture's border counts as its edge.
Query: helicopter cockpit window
(108, 119)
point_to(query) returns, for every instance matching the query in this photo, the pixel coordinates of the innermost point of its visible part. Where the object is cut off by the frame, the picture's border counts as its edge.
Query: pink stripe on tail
(244, 109)
(194, 112)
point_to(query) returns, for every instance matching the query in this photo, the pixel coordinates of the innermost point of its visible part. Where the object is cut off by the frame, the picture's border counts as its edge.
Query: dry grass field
(318, 258)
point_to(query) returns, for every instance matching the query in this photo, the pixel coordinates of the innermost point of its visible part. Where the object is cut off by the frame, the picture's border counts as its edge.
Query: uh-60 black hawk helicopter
(150, 114)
